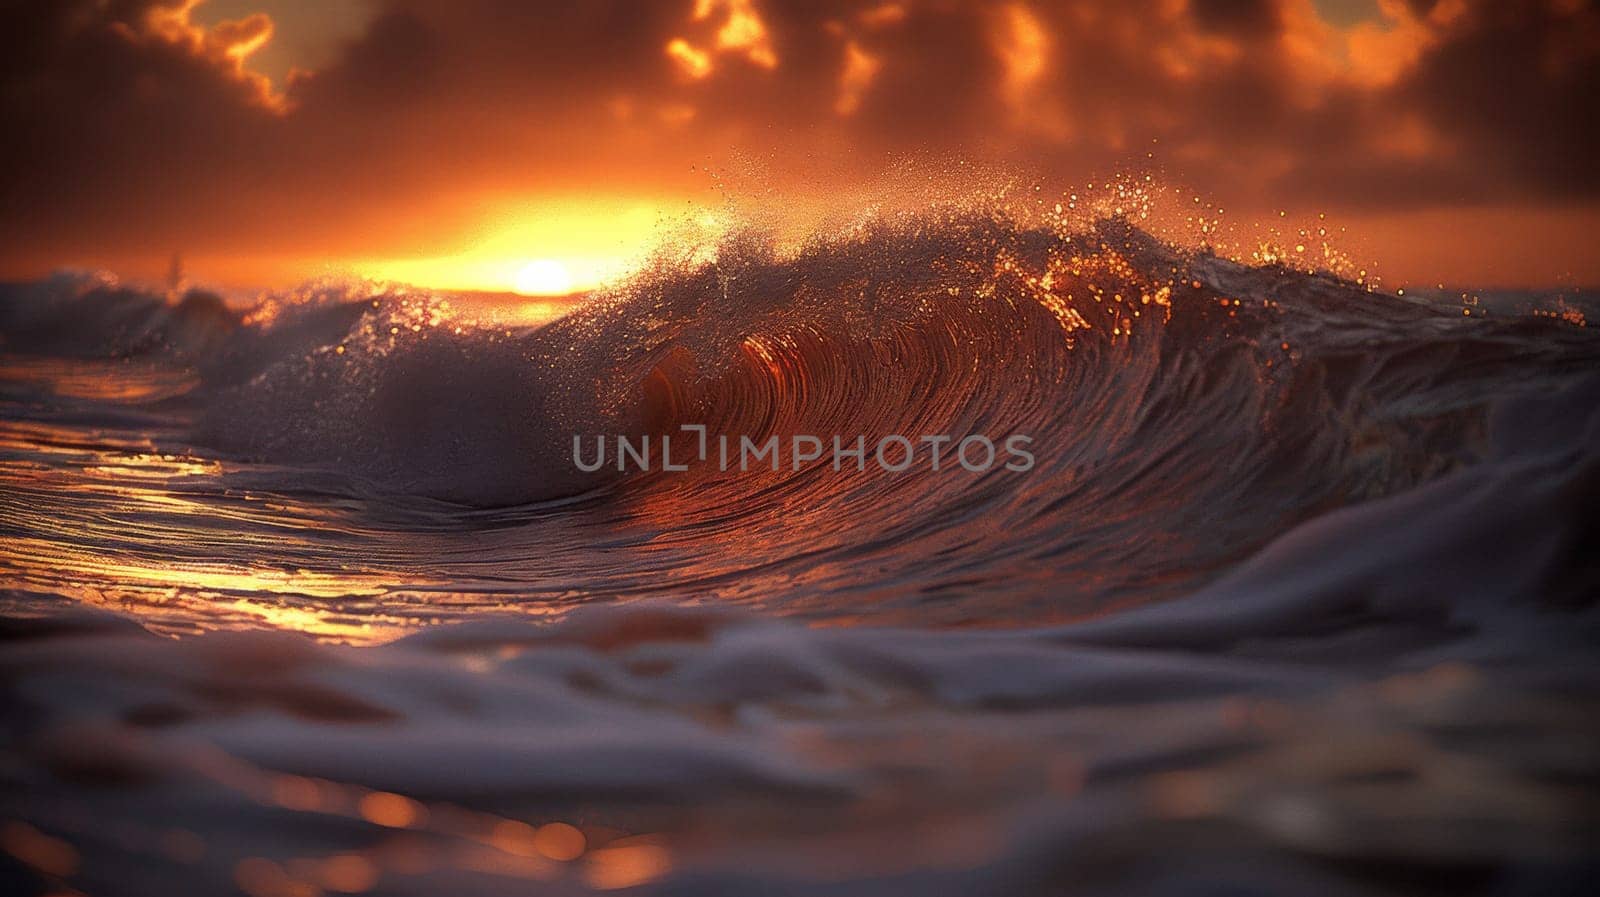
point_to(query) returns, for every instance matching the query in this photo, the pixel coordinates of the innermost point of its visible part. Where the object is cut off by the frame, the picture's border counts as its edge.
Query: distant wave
(1185, 408)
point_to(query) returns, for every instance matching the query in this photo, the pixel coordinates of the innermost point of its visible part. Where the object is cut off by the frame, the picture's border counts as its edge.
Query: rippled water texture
(1299, 595)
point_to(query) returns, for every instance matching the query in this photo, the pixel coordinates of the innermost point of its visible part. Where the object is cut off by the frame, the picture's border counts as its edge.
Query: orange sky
(494, 144)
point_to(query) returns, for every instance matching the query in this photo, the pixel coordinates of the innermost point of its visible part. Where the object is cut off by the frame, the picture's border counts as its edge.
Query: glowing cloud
(692, 62)
(860, 67)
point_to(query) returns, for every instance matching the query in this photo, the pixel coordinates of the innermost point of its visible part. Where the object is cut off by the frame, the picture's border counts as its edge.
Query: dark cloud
(127, 125)
(1243, 18)
(1517, 86)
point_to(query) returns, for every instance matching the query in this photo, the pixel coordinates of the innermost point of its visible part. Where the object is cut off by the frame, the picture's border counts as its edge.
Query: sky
(499, 144)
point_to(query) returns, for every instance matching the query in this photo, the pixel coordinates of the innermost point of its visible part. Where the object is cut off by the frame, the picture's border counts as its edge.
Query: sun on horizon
(544, 277)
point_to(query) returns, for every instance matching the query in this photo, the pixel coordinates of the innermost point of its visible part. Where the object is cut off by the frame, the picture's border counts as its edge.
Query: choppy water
(1299, 595)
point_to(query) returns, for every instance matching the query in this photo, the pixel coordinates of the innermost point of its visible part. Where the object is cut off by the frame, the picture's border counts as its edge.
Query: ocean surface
(307, 596)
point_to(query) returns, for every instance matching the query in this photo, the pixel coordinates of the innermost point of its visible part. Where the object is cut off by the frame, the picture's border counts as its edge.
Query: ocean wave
(1299, 595)
(1183, 409)
(1435, 644)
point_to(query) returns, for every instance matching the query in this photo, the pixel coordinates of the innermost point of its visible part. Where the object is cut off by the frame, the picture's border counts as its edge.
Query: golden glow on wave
(602, 858)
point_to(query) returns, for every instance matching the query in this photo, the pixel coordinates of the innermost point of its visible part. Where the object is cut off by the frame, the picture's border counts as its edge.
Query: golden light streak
(391, 810)
(626, 864)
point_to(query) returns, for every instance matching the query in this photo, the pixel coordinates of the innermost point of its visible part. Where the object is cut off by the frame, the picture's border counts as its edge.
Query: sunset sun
(543, 277)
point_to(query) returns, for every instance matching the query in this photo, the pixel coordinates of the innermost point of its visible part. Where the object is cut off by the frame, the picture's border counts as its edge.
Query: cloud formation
(133, 126)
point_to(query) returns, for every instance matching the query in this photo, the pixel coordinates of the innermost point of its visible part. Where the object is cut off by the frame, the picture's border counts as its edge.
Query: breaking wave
(1298, 596)
(1184, 410)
